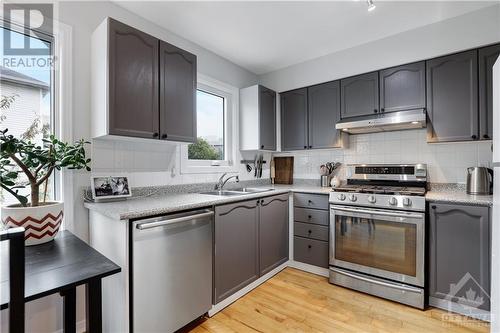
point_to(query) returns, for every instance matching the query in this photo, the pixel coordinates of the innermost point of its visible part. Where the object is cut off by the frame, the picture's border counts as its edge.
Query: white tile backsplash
(446, 161)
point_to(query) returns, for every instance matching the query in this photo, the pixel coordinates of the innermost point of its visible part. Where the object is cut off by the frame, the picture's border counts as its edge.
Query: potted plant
(40, 218)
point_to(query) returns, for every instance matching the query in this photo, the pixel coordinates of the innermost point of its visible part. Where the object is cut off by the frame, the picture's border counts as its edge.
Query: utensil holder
(325, 181)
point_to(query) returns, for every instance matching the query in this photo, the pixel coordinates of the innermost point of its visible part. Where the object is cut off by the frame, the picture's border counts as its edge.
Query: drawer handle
(309, 246)
(309, 201)
(309, 217)
(309, 231)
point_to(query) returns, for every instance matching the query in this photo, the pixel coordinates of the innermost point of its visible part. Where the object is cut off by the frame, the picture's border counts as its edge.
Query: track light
(371, 5)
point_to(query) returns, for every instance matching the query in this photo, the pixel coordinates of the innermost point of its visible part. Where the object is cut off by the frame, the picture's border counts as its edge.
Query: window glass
(210, 110)
(26, 108)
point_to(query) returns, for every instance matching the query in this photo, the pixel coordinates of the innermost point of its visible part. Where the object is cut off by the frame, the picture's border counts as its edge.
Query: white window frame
(231, 99)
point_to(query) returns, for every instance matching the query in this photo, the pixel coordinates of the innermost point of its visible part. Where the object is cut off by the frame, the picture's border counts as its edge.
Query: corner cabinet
(452, 97)
(251, 239)
(257, 118)
(142, 87)
(360, 95)
(487, 57)
(460, 252)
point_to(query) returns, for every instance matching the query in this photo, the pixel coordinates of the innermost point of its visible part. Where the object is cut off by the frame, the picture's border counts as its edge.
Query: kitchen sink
(225, 193)
(253, 190)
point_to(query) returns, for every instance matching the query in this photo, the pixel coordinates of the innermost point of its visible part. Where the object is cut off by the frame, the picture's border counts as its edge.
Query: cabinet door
(294, 119)
(133, 82)
(324, 113)
(403, 87)
(460, 250)
(236, 247)
(359, 95)
(452, 97)
(267, 118)
(487, 58)
(177, 94)
(273, 232)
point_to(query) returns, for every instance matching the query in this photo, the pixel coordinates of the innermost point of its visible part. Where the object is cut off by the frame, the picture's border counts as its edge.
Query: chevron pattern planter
(41, 223)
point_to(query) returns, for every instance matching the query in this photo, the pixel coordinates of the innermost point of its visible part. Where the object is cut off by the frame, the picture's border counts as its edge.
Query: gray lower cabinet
(460, 252)
(251, 239)
(294, 120)
(273, 232)
(310, 229)
(402, 87)
(359, 95)
(133, 82)
(323, 115)
(177, 94)
(487, 57)
(452, 97)
(236, 260)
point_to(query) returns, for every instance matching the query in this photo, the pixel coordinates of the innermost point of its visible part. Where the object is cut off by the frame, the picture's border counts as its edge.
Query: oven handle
(376, 212)
(381, 283)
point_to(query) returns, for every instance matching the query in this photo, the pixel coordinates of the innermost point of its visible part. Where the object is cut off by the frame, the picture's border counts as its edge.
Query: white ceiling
(266, 36)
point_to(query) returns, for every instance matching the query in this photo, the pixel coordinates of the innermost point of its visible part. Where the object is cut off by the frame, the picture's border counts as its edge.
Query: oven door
(379, 242)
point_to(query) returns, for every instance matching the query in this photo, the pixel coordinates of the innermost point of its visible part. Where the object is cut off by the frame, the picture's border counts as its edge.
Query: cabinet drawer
(318, 201)
(310, 251)
(313, 231)
(310, 216)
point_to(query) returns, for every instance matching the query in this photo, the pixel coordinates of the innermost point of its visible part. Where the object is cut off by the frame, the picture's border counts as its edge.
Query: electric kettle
(479, 180)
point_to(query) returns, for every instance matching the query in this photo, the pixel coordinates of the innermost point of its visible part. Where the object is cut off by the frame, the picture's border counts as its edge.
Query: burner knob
(406, 202)
(393, 201)
(353, 198)
(341, 196)
(372, 199)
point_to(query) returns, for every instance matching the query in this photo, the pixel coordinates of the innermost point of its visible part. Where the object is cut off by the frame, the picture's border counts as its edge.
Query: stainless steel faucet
(220, 184)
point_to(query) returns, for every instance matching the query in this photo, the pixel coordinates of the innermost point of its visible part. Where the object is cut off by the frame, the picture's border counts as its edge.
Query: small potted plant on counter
(40, 218)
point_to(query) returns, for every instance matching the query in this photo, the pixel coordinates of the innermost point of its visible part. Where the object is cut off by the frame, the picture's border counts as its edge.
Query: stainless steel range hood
(384, 122)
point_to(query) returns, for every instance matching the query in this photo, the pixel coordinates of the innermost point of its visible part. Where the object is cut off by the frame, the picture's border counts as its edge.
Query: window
(214, 150)
(27, 99)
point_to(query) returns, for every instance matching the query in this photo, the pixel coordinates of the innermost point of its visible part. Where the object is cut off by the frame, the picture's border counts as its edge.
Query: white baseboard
(460, 309)
(309, 268)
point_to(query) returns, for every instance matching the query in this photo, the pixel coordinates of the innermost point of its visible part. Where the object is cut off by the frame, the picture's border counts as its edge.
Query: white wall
(446, 163)
(463, 32)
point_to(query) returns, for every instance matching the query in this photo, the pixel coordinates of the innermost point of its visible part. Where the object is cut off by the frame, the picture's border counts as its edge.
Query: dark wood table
(59, 267)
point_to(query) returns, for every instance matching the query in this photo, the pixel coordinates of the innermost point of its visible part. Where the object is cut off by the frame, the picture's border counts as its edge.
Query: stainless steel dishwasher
(172, 270)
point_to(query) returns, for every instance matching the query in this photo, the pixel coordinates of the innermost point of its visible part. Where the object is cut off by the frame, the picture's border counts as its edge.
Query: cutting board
(284, 170)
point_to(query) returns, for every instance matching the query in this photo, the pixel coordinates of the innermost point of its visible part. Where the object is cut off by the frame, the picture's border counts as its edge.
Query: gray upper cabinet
(177, 94)
(273, 232)
(459, 251)
(267, 118)
(257, 118)
(141, 86)
(487, 57)
(294, 120)
(452, 97)
(359, 95)
(323, 114)
(236, 247)
(403, 87)
(133, 82)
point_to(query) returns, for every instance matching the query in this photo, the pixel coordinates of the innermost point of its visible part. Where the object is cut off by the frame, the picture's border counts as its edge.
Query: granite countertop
(456, 193)
(141, 207)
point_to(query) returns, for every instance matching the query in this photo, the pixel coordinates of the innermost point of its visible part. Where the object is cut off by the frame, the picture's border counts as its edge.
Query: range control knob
(341, 196)
(406, 202)
(353, 198)
(372, 199)
(393, 201)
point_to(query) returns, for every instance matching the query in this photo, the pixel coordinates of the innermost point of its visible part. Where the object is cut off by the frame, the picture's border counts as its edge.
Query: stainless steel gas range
(377, 232)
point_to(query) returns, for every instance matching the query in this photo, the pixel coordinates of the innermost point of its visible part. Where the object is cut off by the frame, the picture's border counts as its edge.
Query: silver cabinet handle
(381, 283)
(375, 212)
(149, 225)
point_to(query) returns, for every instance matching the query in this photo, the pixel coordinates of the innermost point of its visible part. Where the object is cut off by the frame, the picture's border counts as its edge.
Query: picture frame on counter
(110, 188)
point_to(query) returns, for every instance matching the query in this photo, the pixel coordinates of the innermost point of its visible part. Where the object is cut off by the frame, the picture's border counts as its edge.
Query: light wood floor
(296, 301)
